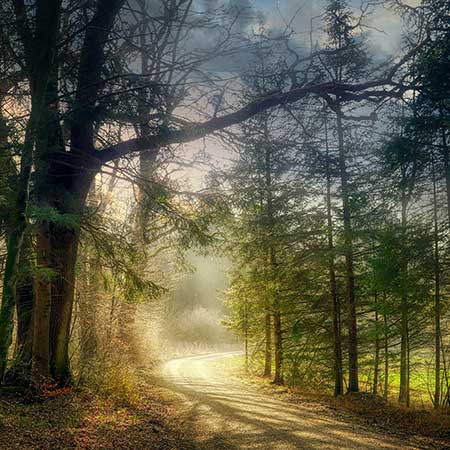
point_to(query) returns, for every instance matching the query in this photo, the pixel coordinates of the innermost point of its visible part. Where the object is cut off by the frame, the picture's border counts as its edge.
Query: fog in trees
(265, 180)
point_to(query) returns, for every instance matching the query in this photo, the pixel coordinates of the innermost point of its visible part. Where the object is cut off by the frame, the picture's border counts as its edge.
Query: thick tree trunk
(353, 385)
(40, 56)
(20, 371)
(8, 295)
(64, 192)
(268, 344)
(55, 191)
(25, 306)
(64, 244)
(41, 313)
(56, 250)
(17, 225)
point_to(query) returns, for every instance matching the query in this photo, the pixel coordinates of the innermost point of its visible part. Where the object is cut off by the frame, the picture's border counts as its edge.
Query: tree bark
(69, 176)
(335, 304)
(25, 306)
(353, 385)
(376, 361)
(88, 312)
(278, 343)
(386, 358)
(20, 371)
(268, 345)
(437, 298)
(39, 61)
(404, 376)
(41, 313)
(246, 333)
(64, 244)
(404, 307)
(271, 260)
(17, 222)
(446, 159)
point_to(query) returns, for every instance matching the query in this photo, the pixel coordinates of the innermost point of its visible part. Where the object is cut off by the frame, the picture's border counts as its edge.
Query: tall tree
(348, 63)
(39, 62)
(91, 90)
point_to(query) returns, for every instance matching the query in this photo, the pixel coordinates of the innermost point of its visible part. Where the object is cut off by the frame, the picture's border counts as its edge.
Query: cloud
(384, 27)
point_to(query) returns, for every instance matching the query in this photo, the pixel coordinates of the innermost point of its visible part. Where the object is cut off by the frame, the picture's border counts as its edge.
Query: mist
(193, 316)
(224, 224)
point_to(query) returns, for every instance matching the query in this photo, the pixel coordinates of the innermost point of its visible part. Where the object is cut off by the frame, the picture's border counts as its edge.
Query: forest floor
(200, 405)
(84, 420)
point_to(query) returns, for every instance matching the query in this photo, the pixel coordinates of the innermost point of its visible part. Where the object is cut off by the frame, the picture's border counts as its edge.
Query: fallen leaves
(79, 420)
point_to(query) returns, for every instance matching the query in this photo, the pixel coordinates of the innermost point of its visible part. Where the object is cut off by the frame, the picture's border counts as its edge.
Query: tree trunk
(246, 333)
(57, 253)
(386, 357)
(17, 225)
(446, 158)
(376, 362)
(335, 304)
(437, 298)
(268, 348)
(20, 371)
(61, 189)
(39, 67)
(278, 343)
(404, 345)
(41, 313)
(353, 385)
(404, 379)
(25, 306)
(64, 247)
(88, 311)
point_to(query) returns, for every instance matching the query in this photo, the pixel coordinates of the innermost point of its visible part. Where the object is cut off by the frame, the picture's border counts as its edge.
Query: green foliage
(59, 220)
(120, 258)
(43, 273)
(347, 58)
(8, 175)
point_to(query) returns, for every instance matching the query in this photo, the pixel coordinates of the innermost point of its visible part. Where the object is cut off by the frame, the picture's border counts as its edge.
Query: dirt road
(237, 416)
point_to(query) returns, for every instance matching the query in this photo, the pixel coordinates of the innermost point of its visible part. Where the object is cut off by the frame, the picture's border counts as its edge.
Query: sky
(278, 12)
(383, 32)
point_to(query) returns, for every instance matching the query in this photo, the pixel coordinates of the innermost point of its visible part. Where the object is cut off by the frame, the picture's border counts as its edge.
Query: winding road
(233, 415)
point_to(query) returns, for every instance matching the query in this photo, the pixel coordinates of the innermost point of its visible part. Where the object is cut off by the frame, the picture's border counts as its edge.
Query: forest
(224, 224)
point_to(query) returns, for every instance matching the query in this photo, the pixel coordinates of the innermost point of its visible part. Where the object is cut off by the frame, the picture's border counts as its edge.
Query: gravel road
(233, 415)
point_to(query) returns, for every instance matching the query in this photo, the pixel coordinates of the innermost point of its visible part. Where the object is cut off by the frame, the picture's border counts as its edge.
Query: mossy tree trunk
(40, 54)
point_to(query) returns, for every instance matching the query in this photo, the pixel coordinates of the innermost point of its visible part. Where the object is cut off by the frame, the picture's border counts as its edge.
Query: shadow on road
(243, 418)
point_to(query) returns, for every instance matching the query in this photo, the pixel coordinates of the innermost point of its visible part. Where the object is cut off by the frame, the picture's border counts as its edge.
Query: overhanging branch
(199, 130)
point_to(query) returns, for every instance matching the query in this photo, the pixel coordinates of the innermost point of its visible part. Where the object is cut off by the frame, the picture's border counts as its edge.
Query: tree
(348, 63)
(80, 82)
(38, 65)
